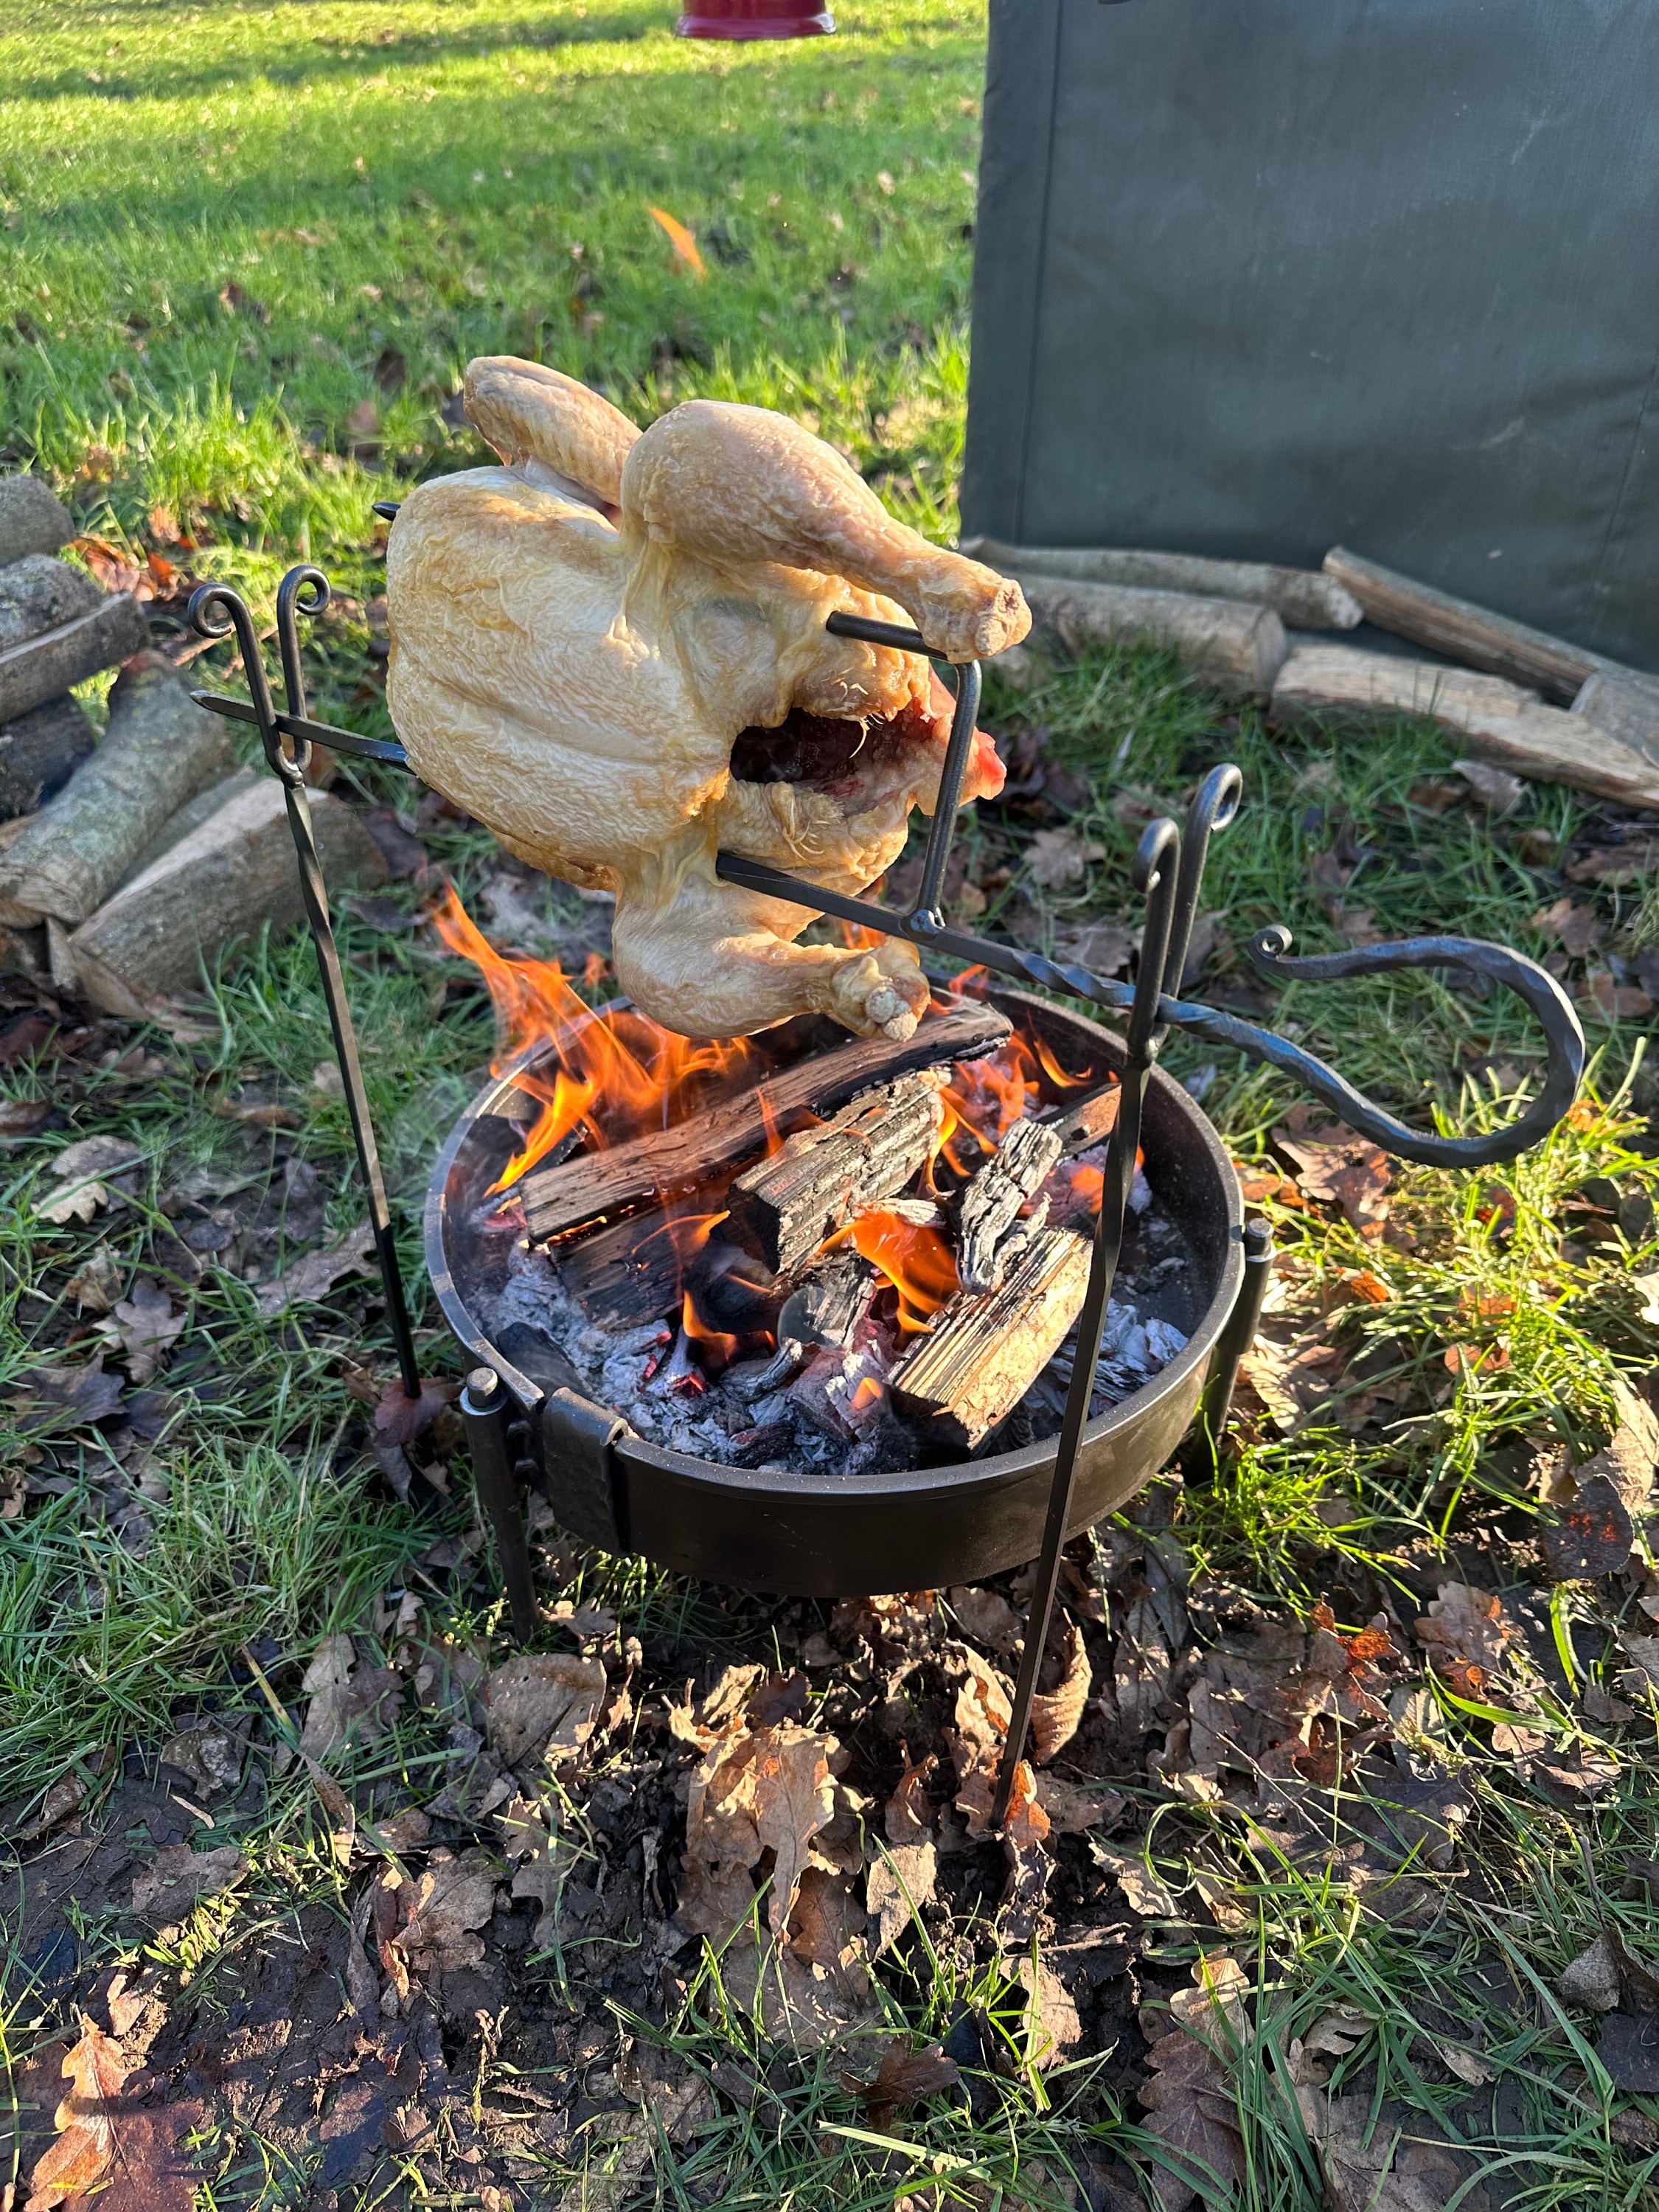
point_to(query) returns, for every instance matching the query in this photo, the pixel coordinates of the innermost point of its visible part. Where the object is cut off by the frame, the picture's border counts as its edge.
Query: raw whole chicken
(611, 649)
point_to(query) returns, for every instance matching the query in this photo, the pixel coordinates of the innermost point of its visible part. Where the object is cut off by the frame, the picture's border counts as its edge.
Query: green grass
(390, 189)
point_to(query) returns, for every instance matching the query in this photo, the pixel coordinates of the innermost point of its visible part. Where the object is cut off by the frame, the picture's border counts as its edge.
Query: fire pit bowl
(809, 1534)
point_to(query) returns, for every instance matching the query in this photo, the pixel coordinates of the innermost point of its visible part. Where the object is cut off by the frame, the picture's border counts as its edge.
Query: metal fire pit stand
(1169, 870)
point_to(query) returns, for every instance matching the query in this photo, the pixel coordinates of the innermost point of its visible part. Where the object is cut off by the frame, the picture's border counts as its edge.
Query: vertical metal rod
(485, 1414)
(1235, 1338)
(953, 775)
(288, 766)
(1155, 863)
(1214, 804)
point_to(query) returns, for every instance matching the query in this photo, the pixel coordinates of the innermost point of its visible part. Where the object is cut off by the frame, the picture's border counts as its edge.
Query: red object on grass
(755, 19)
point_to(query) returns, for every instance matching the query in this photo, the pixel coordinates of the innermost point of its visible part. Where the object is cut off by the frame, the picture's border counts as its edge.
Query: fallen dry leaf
(437, 1912)
(1599, 1502)
(97, 1286)
(348, 1699)
(210, 1755)
(315, 1275)
(176, 1876)
(1628, 2047)
(1576, 929)
(1367, 2165)
(985, 1701)
(684, 245)
(82, 1175)
(1193, 2111)
(541, 1860)
(542, 1705)
(1337, 1167)
(904, 2077)
(399, 1420)
(1146, 1892)
(755, 1790)
(142, 1329)
(1055, 1716)
(1466, 1631)
(22, 1117)
(107, 2137)
(827, 1923)
(904, 1877)
(1073, 1807)
(988, 1618)
(57, 1400)
(1059, 857)
(1616, 866)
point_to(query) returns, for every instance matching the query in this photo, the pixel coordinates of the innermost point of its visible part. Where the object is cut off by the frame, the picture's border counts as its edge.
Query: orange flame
(613, 1075)
(914, 1257)
(719, 1349)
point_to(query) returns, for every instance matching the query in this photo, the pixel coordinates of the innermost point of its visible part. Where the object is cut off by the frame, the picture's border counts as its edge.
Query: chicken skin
(611, 649)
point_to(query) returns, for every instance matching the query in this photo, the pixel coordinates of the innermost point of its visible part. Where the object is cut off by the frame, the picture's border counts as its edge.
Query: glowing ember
(914, 1258)
(613, 1075)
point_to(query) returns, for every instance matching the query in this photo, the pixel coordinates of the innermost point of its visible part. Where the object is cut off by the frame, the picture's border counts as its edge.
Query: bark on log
(603, 1184)
(1466, 632)
(1495, 721)
(1625, 707)
(1237, 648)
(32, 518)
(191, 816)
(990, 1233)
(785, 1205)
(1304, 598)
(987, 1347)
(57, 628)
(160, 749)
(38, 752)
(216, 887)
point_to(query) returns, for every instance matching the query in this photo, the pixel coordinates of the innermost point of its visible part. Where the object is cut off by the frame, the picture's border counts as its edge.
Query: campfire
(806, 1251)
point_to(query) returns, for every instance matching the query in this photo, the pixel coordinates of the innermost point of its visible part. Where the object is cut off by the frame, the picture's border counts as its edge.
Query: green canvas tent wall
(1255, 277)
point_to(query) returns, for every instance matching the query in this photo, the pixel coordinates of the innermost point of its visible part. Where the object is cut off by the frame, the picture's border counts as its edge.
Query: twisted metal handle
(216, 610)
(1268, 952)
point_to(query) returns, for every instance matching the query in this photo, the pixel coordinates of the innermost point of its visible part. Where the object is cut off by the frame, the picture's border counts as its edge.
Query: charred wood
(626, 1176)
(989, 1232)
(987, 1347)
(785, 1205)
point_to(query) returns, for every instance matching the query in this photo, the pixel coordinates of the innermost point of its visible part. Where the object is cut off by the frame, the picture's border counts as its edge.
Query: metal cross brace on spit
(1167, 872)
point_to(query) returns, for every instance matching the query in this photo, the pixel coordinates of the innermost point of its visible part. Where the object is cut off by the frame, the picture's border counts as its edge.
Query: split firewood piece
(597, 1185)
(987, 1347)
(1474, 635)
(214, 887)
(38, 752)
(785, 1204)
(160, 749)
(190, 816)
(989, 1230)
(1303, 598)
(32, 518)
(57, 628)
(1240, 648)
(1623, 707)
(629, 1273)
(1498, 721)
(1084, 1121)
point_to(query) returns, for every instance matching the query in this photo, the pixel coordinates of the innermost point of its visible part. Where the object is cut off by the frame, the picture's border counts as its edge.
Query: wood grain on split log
(191, 816)
(1623, 707)
(160, 749)
(1305, 598)
(38, 752)
(32, 518)
(1495, 721)
(785, 1205)
(1239, 649)
(986, 1238)
(987, 1347)
(627, 1273)
(602, 1184)
(214, 887)
(57, 628)
(1466, 632)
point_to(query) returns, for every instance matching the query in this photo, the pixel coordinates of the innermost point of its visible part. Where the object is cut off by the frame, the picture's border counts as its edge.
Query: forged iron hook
(303, 591)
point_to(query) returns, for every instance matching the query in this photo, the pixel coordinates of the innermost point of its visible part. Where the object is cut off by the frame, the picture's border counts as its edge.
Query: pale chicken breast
(611, 649)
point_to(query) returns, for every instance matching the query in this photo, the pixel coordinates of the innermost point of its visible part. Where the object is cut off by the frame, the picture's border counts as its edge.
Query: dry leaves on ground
(1576, 929)
(211, 1756)
(399, 1419)
(1189, 2093)
(987, 1617)
(759, 1795)
(106, 2134)
(1056, 1714)
(425, 1923)
(142, 1329)
(350, 1699)
(316, 1274)
(1059, 857)
(541, 1860)
(543, 1706)
(1598, 1503)
(97, 1285)
(904, 2077)
(84, 1178)
(1467, 1634)
(1368, 2164)
(1337, 1167)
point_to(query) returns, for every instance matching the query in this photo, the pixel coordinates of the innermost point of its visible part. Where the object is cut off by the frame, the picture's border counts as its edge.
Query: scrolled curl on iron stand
(1168, 873)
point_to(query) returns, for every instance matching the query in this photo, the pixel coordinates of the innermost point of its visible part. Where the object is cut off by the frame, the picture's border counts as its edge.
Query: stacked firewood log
(1515, 699)
(126, 862)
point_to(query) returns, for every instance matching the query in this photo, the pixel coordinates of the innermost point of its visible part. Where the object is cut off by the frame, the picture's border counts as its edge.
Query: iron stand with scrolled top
(1167, 873)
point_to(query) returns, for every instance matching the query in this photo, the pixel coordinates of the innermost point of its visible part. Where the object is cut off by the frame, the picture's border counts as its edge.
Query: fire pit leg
(1155, 866)
(486, 1410)
(1235, 1340)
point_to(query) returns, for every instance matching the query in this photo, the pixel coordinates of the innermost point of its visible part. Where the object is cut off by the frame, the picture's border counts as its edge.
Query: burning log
(620, 1179)
(987, 1347)
(785, 1204)
(989, 1232)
